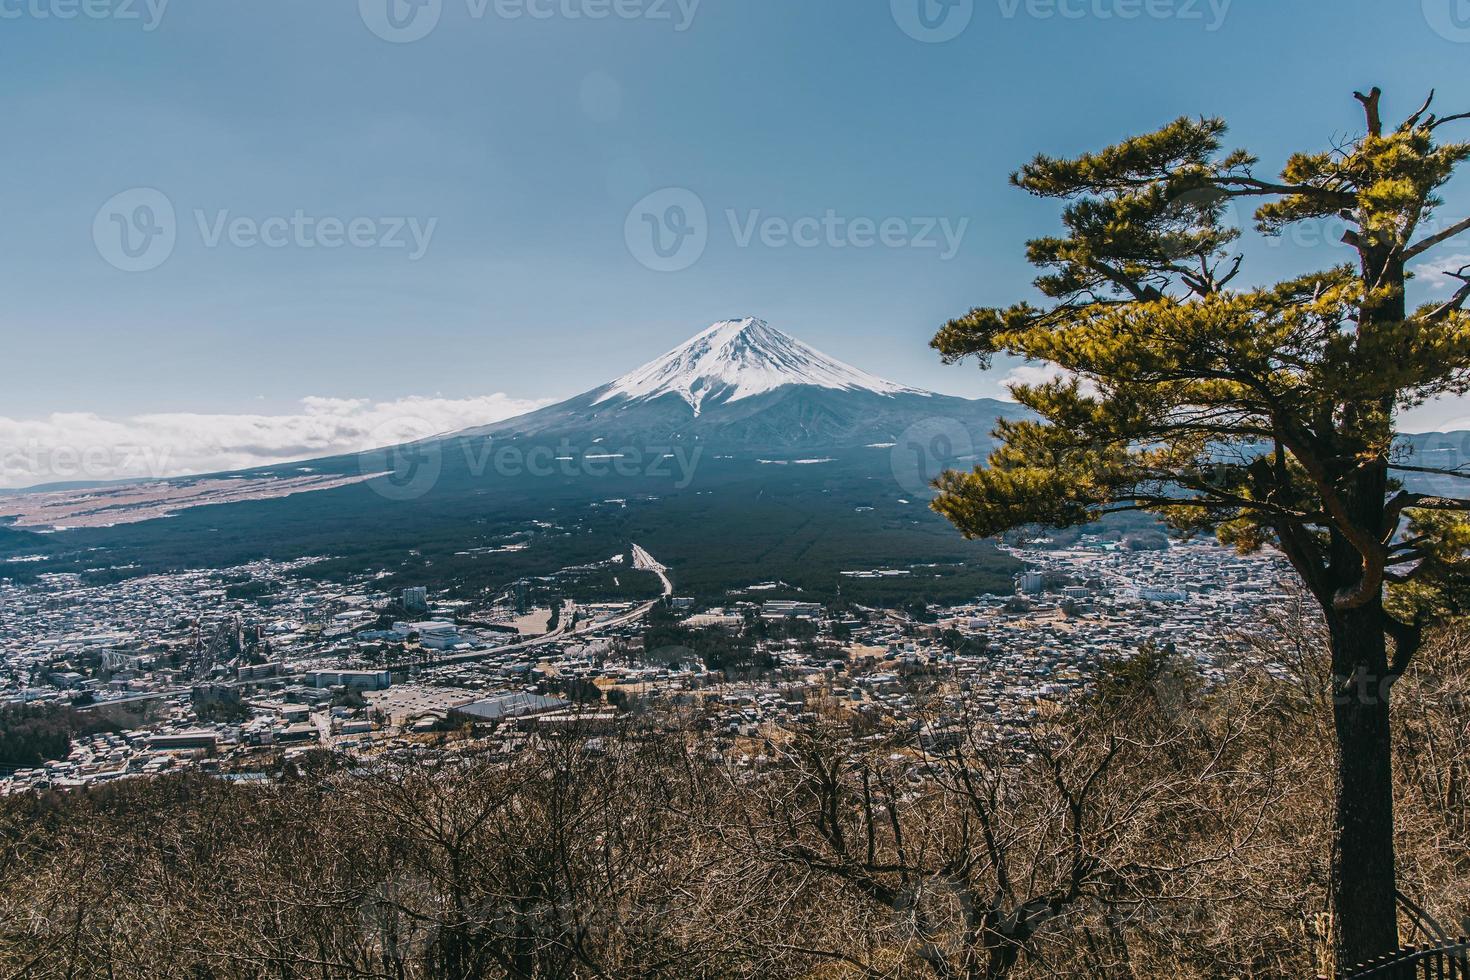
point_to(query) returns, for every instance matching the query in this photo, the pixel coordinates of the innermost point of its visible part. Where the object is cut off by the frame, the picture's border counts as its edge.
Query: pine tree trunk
(1363, 873)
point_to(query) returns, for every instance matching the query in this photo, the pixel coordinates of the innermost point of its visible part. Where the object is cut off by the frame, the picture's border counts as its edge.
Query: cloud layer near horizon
(81, 446)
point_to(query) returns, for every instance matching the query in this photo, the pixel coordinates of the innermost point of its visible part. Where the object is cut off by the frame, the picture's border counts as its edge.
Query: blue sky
(518, 146)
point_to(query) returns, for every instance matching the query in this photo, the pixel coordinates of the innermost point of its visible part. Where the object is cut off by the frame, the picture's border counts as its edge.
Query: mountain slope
(741, 457)
(743, 386)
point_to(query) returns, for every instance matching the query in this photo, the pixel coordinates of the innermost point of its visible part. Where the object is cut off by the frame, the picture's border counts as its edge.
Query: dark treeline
(33, 734)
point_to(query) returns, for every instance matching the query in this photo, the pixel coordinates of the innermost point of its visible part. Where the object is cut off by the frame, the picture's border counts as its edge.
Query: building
(117, 660)
(575, 722)
(362, 680)
(305, 732)
(175, 741)
(416, 599)
(1031, 582)
(511, 706)
(785, 609)
(432, 634)
(716, 620)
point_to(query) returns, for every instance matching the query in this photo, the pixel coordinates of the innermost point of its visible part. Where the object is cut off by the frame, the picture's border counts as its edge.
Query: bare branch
(1424, 245)
(1426, 502)
(1371, 110)
(1456, 302)
(1413, 120)
(1448, 119)
(1460, 473)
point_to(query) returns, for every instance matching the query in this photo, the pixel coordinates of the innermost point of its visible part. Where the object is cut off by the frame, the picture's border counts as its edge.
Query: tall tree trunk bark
(1363, 874)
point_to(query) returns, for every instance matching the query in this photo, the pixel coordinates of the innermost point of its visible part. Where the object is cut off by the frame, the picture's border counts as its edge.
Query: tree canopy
(1254, 413)
(1266, 414)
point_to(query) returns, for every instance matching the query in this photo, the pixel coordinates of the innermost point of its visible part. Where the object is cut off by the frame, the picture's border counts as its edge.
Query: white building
(434, 634)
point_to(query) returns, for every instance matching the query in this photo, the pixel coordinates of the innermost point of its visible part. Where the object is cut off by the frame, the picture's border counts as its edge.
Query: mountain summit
(739, 359)
(742, 386)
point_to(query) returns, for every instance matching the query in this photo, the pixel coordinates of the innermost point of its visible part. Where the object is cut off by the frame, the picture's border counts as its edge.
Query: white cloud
(1440, 415)
(1041, 373)
(81, 446)
(1435, 274)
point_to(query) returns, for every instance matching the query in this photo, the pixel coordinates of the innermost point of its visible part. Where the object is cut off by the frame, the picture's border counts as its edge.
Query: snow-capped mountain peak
(740, 359)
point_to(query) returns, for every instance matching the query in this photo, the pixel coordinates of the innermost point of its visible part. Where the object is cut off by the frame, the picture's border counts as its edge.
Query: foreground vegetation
(1154, 830)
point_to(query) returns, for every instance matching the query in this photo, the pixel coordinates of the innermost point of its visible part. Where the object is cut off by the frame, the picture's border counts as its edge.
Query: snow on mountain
(740, 359)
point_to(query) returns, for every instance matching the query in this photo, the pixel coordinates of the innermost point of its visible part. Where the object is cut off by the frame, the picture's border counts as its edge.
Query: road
(641, 560)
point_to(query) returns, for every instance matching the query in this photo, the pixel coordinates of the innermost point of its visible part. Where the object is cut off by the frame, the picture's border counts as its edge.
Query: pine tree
(1266, 415)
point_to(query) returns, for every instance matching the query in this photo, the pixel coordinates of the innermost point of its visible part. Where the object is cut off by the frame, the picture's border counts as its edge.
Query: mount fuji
(742, 385)
(740, 359)
(743, 459)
